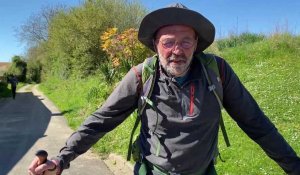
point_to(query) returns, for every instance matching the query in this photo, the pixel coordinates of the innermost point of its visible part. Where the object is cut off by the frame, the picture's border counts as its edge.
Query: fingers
(32, 166)
(51, 167)
(40, 169)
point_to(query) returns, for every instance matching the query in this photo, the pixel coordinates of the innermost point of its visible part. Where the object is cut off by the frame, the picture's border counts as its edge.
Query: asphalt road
(31, 122)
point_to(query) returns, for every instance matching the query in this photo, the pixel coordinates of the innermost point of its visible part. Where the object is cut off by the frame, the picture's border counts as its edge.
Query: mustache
(177, 58)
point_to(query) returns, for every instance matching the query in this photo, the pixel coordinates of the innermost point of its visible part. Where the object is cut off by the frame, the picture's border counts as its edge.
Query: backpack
(149, 70)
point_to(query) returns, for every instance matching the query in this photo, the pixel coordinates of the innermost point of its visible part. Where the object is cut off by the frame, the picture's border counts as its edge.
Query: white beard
(173, 70)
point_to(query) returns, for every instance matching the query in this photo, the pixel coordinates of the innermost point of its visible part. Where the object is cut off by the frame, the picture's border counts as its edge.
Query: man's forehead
(175, 29)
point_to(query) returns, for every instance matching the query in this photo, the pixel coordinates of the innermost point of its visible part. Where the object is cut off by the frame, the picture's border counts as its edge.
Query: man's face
(175, 46)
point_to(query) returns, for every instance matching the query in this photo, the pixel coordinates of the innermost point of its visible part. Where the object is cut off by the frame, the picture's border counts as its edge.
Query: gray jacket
(188, 121)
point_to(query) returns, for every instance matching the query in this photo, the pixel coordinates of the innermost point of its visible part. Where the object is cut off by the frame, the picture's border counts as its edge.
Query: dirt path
(32, 122)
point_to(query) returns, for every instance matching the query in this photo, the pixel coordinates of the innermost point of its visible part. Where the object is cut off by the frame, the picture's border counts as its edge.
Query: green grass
(270, 71)
(76, 98)
(268, 68)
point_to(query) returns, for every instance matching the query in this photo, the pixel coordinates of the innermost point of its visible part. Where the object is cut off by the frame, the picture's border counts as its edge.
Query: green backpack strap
(148, 80)
(210, 62)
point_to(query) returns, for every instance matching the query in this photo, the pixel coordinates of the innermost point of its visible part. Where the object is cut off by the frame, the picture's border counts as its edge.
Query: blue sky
(228, 16)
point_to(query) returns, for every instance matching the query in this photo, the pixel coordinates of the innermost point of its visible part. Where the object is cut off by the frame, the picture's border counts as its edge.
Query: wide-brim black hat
(176, 14)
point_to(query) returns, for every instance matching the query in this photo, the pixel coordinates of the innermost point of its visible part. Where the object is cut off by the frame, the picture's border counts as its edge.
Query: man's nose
(177, 50)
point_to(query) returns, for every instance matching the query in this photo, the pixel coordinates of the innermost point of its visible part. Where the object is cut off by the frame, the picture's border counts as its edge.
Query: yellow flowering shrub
(124, 48)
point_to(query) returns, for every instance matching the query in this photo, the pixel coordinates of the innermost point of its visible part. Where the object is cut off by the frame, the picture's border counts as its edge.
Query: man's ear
(195, 48)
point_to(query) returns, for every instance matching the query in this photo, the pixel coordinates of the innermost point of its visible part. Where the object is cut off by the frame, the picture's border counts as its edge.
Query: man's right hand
(50, 167)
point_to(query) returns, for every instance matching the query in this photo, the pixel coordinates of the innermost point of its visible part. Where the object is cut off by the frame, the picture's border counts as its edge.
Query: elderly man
(179, 131)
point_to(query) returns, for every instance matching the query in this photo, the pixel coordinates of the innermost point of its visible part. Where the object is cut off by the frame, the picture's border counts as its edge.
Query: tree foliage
(74, 35)
(35, 29)
(35, 58)
(64, 42)
(18, 68)
(34, 33)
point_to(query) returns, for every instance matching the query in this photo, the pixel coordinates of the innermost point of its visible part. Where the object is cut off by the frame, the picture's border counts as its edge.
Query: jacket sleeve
(119, 105)
(241, 106)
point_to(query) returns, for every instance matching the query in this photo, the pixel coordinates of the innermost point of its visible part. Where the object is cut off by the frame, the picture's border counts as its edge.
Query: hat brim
(205, 30)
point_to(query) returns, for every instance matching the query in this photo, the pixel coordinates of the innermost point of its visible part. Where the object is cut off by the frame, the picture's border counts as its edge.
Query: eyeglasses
(171, 43)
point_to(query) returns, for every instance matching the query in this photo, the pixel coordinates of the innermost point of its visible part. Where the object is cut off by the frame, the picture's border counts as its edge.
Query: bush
(4, 91)
(285, 42)
(123, 50)
(109, 72)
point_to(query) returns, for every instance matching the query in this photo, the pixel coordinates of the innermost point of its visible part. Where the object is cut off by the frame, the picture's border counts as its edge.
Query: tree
(18, 68)
(74, 35)
(35, 29)
(36, 57)
(34, 33)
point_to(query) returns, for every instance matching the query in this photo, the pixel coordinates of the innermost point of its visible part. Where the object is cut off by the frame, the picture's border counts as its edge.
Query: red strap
(192, 97)
(138, 76)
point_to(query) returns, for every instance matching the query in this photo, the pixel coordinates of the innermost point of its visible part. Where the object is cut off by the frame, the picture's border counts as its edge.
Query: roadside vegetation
(86, 50)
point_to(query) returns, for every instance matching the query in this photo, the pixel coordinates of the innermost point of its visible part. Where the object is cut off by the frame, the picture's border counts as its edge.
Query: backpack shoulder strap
(209, 61)
(149, 72)
(148, 79)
